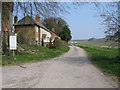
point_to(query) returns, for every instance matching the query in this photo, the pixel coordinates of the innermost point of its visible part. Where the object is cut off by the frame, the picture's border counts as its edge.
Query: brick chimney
(37, 18)
(15, 19)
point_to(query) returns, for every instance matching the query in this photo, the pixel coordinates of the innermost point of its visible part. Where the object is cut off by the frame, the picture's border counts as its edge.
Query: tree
(56, 23)
(110, 14)
(90, 39)
(60, 26)
(7, 10)
(65, 34)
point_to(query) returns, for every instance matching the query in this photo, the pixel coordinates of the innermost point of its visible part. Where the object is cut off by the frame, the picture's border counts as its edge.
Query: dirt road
(71, 70)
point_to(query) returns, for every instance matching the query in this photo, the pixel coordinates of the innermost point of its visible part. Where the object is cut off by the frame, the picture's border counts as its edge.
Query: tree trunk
(7, 11)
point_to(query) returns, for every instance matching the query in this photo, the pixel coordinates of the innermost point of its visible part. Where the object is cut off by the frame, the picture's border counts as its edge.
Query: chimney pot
(37, 18)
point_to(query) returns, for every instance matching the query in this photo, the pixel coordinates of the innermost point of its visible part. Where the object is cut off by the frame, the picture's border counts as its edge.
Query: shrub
(60, 43)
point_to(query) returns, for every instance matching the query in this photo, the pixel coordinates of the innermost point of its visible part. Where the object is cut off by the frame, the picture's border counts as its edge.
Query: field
(97, 43)
(105, 58)
(33, 53)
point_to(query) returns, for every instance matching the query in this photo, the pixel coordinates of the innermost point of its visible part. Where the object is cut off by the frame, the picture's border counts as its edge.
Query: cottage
(31, 31)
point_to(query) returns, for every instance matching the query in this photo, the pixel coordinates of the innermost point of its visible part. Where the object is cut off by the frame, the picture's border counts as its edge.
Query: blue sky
(84, 22)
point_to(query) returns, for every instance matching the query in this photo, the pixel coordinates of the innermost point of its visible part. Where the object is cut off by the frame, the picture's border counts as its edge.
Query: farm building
(31, 31)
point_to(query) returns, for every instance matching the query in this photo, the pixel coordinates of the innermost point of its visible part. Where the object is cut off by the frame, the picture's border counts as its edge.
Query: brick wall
(26, 34)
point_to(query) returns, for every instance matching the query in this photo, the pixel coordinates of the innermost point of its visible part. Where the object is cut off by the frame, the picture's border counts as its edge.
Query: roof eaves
(23, 24)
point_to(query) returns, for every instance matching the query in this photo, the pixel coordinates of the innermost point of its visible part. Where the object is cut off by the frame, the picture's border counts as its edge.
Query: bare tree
(45, 9)
(110, 14)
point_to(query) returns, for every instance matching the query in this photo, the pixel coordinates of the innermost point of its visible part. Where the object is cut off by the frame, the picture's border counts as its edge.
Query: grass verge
(33, 53)
(106, 59)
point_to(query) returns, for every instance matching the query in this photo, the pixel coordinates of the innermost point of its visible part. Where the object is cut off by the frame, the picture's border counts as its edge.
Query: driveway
(71, 70)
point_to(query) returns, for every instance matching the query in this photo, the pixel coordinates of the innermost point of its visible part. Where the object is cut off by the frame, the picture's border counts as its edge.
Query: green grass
(33, 53)
(98, 44)
(104, 58)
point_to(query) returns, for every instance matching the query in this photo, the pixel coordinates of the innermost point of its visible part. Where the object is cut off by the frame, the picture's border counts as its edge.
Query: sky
(84, 23)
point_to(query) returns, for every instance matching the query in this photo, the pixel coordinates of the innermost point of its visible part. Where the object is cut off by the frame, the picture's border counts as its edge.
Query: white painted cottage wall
(48, 35)
(36, 31)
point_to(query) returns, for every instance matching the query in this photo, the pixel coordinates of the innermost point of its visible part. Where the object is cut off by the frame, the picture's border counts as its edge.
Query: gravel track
(71, 70)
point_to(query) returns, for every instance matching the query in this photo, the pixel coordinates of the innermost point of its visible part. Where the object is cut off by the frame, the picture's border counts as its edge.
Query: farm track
(71, 70)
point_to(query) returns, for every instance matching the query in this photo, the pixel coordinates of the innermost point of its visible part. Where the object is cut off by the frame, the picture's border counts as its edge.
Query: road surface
(71, 70)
